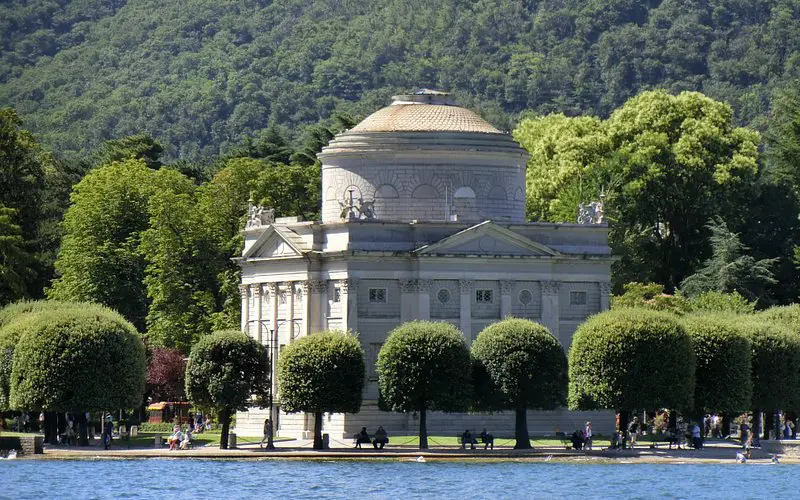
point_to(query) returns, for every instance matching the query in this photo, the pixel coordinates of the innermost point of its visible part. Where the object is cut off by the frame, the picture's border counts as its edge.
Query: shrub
(76, 360)
(723, 355)
(789, 316)
(776, 365)
(526, 366)
(322, 373)
(224, 370)
(422, 366)
(629, 359)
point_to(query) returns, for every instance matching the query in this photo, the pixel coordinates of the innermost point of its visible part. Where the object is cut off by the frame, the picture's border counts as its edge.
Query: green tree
(21, 181)
(322, 373)
(729, 269)
(788, 316)
(723, 367)
(76, 359)
(224, 371)
(139, 146)
(651, 296)
(526, 366)
(99, 260)
(665, 162)
(782, 152)
(424, 366)
(721, 302)
(629, 359)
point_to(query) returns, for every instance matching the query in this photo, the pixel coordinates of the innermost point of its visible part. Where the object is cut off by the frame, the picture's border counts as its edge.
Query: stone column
(244, 291)
(290, 314)
(424, 299)
(550, 312)
(272, 292)
(605, 295)
(304, 290)
(352, 304)
(318, 293)
(256, 290)
(408, 305)
(272, 345)
(505, 298)
(465, 314)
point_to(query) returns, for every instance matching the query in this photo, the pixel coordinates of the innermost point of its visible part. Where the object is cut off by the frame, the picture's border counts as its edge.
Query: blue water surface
(223, 479)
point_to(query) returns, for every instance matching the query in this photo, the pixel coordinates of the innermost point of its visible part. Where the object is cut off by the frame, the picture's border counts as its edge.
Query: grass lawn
(434, 441)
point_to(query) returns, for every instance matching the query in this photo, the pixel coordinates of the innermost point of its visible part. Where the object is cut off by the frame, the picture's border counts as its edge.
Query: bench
(488, 441)
(668, 439)
(358, 441)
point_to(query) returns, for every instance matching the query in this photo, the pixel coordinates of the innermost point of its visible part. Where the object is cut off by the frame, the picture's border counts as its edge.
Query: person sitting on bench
(467, 438)
(487, 439)
(362, 437)
(381, 438)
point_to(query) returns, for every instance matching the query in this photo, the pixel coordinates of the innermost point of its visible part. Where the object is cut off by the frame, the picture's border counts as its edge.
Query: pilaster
(256, 291)
(317, 296)
(424, 299)
(550, 312)
(465, 314)
(605, 295)
(303, 290)
(408, 300)
(505, 298)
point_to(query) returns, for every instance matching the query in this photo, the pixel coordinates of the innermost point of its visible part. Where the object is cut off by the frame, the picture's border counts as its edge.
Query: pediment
(487, 238)
(274, 243)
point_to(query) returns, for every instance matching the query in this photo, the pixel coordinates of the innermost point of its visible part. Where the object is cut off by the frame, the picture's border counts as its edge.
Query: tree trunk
(225, 419)
(673, 419)
(727, 418)
(770, 423)
(318, 431)
(624, 417)
(49, 435)
(521, 430)
(83, 429)
(423, 430)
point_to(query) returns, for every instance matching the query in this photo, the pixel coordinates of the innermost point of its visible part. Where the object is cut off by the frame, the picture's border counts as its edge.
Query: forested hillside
(202, 75)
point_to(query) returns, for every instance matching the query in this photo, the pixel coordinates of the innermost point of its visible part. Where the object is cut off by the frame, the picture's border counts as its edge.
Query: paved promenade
(301, 449)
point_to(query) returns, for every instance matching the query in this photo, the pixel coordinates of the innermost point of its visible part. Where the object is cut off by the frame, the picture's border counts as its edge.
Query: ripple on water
(223, 479)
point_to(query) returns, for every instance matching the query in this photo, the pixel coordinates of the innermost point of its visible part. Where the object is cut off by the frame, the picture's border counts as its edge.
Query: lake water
(223, 479)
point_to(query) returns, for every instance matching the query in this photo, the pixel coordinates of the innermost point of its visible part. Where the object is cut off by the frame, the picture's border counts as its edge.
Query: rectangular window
(577, 298)
(377, 295)
(337, 295)
(483, 296)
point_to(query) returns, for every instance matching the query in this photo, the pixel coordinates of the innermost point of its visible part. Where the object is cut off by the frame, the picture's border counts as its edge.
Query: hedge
(776, 365)
(629, 359)
(722, 350)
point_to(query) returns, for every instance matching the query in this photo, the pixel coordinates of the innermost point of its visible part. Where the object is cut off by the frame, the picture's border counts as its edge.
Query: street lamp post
(272, 350)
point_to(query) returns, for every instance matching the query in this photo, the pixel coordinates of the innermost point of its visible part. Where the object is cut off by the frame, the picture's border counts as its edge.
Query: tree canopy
(423, 366)
(527, 367)
(629, 359)
(226, 369)
(322, 373)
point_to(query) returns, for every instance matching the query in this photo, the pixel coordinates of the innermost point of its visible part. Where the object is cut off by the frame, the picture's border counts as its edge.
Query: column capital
(318, 286)
(465, 285)
(408, 286)
(301, 287)
(243, 290)
(605, 287)
(424, 286)
(347, 285)
(550, 287)
(506, 286)
(272, 289)
(256, 290)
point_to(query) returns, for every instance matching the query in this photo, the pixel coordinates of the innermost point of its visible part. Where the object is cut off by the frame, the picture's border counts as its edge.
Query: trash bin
(157, 440)
(134, 431)
(231, 440)
(326, 441)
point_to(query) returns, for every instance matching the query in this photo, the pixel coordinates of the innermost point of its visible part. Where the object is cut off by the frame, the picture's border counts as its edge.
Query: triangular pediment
(487, 238)
(274, 243)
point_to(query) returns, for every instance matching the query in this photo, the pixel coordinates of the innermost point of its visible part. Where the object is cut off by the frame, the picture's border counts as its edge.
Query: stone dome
(424, 112)
(423, 158)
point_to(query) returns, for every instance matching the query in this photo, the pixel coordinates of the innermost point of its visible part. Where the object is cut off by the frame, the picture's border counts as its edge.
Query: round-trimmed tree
(526, 367)
(322, 373)
(629, 359)
(423, 366)
(74, 359)
(789, 316)
(224, 370)
(722, 349)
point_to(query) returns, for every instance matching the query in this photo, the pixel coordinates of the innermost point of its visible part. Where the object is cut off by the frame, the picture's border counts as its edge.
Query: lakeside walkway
(714, 452)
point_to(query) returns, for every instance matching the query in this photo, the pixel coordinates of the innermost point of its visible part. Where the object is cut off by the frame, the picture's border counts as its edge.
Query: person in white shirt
(187, 440)
(587, 436)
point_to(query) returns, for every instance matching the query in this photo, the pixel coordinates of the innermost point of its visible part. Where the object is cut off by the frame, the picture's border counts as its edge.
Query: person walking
(587, 436)
(633, 431)
(267, 435)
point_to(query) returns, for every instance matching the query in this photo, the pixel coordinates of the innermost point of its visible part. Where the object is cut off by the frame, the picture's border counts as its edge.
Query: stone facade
(376, 261)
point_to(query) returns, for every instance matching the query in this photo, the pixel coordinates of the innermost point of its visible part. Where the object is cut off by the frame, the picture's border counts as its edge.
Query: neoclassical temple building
(423, 217)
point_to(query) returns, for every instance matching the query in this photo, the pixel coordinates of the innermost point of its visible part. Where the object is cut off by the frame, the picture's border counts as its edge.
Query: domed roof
(424, 111)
